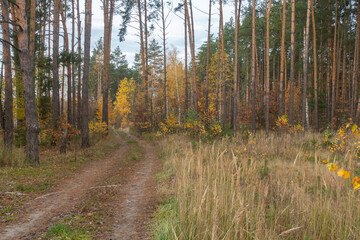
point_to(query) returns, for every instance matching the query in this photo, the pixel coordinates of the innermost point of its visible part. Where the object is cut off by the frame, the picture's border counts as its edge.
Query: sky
(175, 31)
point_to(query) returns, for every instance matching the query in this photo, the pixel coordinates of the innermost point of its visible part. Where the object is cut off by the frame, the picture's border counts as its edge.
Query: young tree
(85, 97)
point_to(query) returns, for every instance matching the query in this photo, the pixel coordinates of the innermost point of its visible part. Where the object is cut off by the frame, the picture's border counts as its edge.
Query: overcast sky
(175, 32)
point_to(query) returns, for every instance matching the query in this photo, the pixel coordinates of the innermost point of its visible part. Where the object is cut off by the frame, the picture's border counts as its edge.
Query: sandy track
(40, 213)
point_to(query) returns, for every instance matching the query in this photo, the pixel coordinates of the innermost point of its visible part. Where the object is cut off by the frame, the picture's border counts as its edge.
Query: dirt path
(137, 204)
(132, 210)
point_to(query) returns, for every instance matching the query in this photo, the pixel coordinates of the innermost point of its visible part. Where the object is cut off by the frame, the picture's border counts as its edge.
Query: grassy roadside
(19, 185)
(92, 218)
(254, 188)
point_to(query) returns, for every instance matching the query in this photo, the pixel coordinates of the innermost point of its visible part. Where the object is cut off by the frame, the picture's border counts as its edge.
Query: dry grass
(276, 189)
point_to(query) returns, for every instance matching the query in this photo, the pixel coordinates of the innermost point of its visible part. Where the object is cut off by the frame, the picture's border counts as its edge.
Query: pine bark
(108, 18)
(55, 68)
(9, 123)
(253, 75)
(87, 41)
(79, 67)
(27, 69)
(236, 88)
(316, 110)
(192, 51)
(333, 75)
(292, 64)
(267, 82)
(282, 61)
(208, 57)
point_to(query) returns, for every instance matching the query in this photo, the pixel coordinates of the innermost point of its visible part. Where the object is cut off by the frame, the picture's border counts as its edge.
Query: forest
(250, 131)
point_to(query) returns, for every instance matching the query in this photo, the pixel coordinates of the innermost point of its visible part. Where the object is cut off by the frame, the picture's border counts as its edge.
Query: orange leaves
(343, 173)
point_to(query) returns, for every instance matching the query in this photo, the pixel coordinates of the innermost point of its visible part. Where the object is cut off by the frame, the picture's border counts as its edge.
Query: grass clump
(256, 188)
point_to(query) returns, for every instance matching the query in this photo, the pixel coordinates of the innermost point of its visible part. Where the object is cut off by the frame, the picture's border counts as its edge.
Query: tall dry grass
(276, 189)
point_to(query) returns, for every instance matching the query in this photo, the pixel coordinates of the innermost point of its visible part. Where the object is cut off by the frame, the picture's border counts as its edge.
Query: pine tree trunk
(267, 82)
(85, 110)
(27, 69)
(79, 67)
(55, 68)
(236, 89)
(315, 69)
(73, 65)
(9, 123)
(292, 63)
(208, 58)
(223, 71)
(253, 75)
(164, 59)
(333, 75)
(192, 51)
(186, 66)
(108, 6)
(282, 61)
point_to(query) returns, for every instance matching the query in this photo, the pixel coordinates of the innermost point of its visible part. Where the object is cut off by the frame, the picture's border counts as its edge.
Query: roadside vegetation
(286, 186)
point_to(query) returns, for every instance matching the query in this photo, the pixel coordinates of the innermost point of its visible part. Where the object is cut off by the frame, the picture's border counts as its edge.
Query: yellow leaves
(97, 127)
(343, 173)
(354, 128)
(356, 182)
(325, 161)
(123, 102)
(332, 167)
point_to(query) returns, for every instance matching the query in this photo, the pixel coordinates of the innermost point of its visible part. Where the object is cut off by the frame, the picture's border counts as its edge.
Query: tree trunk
(85, 110)
(333, 75)
(315, 69)
(223, 71)
(27, 69)
(305, 65)
(164, 59)
(282, 61)
(292, 63)
(9, 123)
(186, 66)
(253, 75)
(73, 65)
(267, 83)
(66, 42)
(55, 68)
(192, 51)
(235, 106)
(208, 58)
(79, 67)
(108, 18)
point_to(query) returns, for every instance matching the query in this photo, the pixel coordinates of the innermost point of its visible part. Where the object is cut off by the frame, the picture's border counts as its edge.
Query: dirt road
(132, 206)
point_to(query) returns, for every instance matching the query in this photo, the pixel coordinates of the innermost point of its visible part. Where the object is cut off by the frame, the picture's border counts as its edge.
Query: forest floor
(108, 198)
